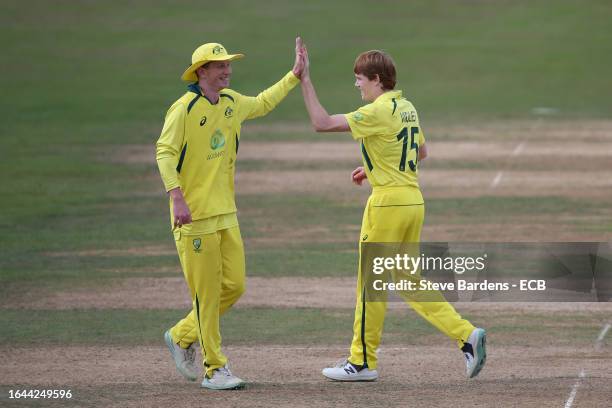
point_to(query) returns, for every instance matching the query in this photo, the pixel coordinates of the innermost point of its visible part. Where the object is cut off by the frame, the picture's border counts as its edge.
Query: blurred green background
(91, 63)
(82, 80)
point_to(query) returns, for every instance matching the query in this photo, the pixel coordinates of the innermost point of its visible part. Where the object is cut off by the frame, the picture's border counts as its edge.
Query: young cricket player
(392, 144)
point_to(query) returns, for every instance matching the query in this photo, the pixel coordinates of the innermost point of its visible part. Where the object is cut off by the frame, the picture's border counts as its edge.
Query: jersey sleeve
(252, 107)
(170, 144)
(363, 121)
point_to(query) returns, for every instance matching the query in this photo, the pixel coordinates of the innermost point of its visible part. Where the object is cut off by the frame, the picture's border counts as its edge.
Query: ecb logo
(217, 140)
(217, 50)
(197, 244)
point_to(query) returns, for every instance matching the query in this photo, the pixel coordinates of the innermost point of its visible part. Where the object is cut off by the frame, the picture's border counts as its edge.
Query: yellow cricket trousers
(395, 214)
(214, 268)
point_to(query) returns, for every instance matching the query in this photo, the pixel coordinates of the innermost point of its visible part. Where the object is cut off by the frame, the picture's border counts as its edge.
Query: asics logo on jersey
(217, 140)
(203, 121)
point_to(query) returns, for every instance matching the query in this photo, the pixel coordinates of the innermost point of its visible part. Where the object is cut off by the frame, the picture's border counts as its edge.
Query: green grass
(455, 59)
(310, 165)
(500, 207)
(282, 327)
(28, 260)
(82, 80)
(121, 327)
(306, 261)
(292, 211)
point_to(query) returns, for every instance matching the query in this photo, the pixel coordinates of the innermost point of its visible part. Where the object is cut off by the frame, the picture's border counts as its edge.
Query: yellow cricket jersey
(390, 136)
(198, 146)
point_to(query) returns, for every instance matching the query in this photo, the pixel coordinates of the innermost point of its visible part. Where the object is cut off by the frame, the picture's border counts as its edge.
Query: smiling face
(215, 74)
(370, 88)
(374, 74)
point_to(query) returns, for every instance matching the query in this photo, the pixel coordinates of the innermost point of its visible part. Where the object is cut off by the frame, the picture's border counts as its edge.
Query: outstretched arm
(320, 119)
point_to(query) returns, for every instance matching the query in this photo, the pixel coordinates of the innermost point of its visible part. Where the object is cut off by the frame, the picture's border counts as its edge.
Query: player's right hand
(182, 215)
(304, 54)
(180, 210)
(358, 175)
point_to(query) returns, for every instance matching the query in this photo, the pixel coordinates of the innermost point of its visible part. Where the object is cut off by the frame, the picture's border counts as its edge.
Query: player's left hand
(299, 64)
(358, 175)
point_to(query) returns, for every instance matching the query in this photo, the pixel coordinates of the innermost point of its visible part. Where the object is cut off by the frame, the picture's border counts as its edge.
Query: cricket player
(392, 144)
(196, 155)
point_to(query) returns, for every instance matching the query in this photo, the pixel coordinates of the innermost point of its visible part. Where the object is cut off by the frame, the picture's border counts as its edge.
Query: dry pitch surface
(524, 368)
(290, 376)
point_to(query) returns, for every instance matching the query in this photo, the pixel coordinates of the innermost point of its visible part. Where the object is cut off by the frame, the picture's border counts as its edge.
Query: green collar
(195, 88)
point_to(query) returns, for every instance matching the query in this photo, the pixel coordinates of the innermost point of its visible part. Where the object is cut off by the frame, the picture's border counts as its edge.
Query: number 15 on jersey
(403, 137)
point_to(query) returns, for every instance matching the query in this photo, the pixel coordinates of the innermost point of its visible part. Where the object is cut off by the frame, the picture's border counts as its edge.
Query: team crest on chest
(229, 112)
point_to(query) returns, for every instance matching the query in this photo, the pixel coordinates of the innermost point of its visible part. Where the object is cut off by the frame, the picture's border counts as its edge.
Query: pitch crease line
(602, 336)
(497, 179)
(518, 149)
(572, 396)
(598, 344)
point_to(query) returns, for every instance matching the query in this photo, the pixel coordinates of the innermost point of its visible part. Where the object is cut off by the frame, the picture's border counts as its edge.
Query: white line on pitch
(518, 149)
(497, 179)
(598, 344)
(602, 336)
(572, 396)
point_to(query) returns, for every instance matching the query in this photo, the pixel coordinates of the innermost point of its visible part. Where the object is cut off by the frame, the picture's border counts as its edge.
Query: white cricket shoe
(475, 352)
(222, 379)
(345, 371)
(184, 359)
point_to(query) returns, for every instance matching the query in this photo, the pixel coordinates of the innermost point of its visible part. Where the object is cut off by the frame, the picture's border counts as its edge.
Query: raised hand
(298, 65)
(306, 70)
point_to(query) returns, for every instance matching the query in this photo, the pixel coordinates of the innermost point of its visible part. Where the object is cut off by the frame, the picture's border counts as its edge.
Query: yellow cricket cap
(206, 53)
